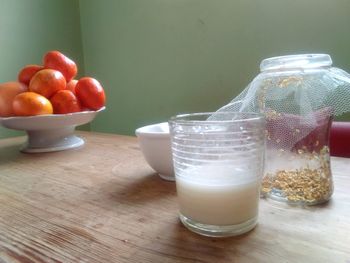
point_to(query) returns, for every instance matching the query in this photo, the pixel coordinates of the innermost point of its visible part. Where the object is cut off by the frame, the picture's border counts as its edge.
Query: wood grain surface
(103, 203)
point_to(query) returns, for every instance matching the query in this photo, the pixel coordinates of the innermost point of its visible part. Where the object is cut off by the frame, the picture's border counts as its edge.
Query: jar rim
(300, 61)
(222, 117)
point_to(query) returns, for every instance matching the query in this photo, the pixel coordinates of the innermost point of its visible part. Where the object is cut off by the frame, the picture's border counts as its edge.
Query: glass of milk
(218, 169)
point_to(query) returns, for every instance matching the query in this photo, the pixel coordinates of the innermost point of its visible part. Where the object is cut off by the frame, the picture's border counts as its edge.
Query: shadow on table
(188, 246)
(10, 153)
(144, 189)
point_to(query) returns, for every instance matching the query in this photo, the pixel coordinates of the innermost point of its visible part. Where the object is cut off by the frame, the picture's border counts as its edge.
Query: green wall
(29, 28)
(157, 58)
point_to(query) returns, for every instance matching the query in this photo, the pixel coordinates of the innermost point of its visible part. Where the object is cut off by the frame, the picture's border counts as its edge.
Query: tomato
(71, 85)
(30, 104)
(90, 93)
(46, 82)
(56, 60)
(28, 72)
(8, 91)
(64, 101)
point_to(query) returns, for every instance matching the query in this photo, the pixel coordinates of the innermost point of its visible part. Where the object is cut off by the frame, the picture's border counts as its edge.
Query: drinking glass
(218, 169)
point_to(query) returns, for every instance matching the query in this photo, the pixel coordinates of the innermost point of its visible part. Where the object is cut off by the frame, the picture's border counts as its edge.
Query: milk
(218, 194)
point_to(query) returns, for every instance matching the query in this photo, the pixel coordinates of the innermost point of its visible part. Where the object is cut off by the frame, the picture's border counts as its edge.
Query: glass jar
(299, 95)
(292, 96)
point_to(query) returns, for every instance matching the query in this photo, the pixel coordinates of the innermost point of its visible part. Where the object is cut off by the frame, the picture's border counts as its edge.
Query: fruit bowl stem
(51, 140)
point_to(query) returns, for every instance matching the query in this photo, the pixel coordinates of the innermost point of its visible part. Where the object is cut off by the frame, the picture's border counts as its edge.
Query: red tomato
(64, 101)
(56, 60)
(90, 93)
(71, 85)
(28, 72)
(47, 82)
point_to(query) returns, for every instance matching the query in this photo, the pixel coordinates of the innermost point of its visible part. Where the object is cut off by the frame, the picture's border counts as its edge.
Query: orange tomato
(26, 73)
(58, 61)
(47, 82)
(64, 101)
(71, 85)
(8, 91)
(90, 93)
(30, 104)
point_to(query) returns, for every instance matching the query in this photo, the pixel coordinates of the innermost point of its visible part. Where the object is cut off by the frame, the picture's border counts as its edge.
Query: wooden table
(103, 203)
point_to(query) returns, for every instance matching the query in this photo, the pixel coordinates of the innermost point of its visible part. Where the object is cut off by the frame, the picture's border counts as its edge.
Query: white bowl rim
(149, 131)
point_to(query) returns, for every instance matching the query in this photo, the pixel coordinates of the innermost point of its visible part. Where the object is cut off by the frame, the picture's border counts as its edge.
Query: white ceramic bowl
(155, 145)
(49, 133)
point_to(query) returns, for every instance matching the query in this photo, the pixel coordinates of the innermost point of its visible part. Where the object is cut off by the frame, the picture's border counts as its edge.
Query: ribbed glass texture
(233, 140)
